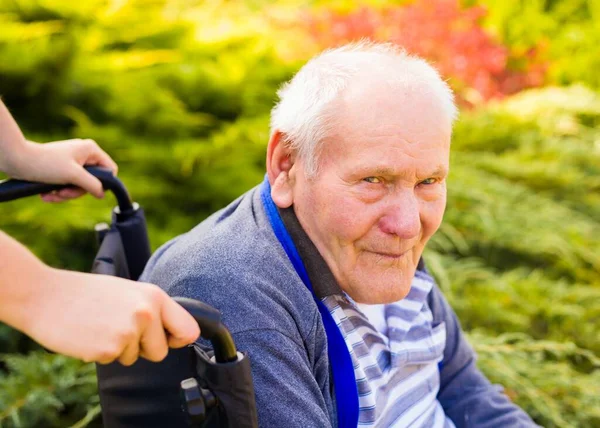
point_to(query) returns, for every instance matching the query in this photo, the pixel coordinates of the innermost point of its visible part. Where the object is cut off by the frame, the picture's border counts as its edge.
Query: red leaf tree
(478, 67)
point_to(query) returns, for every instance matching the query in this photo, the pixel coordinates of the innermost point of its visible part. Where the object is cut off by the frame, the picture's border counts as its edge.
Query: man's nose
(401, 216)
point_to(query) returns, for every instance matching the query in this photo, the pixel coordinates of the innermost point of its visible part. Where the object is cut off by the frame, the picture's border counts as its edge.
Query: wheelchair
(194, 386)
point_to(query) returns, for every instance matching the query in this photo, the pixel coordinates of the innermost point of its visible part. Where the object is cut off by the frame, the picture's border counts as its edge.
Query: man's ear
(280, 161)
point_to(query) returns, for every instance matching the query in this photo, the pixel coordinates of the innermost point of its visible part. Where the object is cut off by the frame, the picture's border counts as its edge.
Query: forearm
(470, 400)
(21, 275)
(467, 396)
(12, 142)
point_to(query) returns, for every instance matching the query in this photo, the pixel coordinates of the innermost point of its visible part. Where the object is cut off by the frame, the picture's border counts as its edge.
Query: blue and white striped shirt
(395, 366)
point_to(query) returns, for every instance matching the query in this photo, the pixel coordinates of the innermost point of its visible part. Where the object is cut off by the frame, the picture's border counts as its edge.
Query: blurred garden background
(179, 93)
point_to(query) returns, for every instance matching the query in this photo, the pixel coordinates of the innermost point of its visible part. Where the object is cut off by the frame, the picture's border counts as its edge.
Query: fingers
(70, 193)
(106, 360)
(51, 197)
(91, 154)
(85, 180)
(94, 155)
(153, 344)
(130, 353)
(181, 326)
(63, 195)
(172, 319)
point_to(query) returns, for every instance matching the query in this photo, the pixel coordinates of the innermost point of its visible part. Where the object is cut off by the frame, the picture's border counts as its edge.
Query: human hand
(61, 162)
(102, 318)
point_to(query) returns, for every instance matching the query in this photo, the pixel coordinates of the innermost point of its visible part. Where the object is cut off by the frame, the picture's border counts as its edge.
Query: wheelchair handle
(211, 328)
(12, 189)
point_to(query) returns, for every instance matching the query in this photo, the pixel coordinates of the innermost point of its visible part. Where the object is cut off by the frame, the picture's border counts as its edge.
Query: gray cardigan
(234, 262)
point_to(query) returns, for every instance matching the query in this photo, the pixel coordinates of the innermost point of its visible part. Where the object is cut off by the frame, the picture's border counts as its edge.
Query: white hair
(302, 114)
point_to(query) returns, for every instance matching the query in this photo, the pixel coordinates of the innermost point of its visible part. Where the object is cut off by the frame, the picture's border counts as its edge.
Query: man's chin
(376, 294)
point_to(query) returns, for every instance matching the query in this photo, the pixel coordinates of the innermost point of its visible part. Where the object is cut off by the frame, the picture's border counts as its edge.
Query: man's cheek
(431, 216)
(345, 224)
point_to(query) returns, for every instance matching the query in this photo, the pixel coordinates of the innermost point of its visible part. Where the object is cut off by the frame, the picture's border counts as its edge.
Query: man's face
(380, 192)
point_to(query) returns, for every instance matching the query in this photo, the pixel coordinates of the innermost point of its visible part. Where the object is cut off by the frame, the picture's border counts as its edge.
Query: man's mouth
(391, 255)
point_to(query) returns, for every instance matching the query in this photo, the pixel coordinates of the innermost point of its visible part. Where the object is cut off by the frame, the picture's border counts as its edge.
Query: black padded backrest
(146, 394)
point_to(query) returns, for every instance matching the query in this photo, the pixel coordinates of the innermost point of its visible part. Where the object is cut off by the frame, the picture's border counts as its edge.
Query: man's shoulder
(233, 243)
(233, 261)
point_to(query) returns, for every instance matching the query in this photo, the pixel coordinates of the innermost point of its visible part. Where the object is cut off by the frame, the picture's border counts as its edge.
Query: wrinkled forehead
(382, 105)
(390, 126)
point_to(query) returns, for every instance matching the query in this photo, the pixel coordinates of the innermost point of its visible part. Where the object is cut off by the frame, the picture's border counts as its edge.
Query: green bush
(564, 33)
(47, 390)
(518, 251)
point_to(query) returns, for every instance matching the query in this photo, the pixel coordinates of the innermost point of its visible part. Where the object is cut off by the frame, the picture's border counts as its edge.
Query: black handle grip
(15, 189)
(209, 320)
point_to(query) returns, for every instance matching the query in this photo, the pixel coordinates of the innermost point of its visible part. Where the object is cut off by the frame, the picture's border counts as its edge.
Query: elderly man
(318, 270)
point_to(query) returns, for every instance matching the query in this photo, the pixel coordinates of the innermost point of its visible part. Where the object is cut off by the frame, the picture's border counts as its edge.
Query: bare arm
(58, 162)
(90, 317)
(12, 141)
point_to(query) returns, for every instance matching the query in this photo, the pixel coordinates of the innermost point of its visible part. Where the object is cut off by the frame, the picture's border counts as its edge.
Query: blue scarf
(346, 392)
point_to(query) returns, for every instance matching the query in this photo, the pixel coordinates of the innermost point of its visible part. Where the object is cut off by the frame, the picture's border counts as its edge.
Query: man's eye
(373, 180)
(429, 181)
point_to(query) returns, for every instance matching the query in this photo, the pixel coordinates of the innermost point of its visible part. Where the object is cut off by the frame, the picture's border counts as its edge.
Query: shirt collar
(321, 277)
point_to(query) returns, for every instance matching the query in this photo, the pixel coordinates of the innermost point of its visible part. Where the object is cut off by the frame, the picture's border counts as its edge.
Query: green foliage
(568, 31)
(513, 189)
(46, 390)
(186, 118)
(519, 251)
(558, 383)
